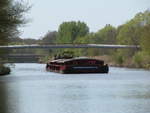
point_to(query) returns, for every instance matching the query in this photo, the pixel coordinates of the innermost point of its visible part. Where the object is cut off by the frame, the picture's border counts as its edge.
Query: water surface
(30, 89)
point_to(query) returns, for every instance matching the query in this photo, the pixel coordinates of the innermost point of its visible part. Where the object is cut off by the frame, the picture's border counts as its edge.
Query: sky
(47, 15)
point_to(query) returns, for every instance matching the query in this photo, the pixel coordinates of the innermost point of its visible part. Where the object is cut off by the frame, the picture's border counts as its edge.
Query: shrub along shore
(128, 63)
(4, 70)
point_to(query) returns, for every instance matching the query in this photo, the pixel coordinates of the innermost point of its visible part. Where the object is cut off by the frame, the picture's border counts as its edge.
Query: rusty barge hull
(77, 65)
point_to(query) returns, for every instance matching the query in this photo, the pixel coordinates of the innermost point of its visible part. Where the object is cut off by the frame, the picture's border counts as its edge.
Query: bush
(4, 70)
(137, 58)
(142, 60)
(118, 57)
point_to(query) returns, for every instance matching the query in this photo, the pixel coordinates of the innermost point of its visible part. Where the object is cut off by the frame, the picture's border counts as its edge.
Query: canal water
(30, 89)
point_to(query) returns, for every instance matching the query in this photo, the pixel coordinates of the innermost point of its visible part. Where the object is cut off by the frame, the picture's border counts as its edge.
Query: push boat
(77, 65)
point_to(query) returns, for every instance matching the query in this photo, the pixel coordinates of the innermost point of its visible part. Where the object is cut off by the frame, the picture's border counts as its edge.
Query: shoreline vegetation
(4, 70)
(127, 64)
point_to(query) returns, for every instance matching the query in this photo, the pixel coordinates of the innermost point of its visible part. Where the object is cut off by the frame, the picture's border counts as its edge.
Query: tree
(142, 58)
(68, 32)
(49, 38)
(130, 32)
(11, 17)
(107, 35)
(135, 32)
(145, 39)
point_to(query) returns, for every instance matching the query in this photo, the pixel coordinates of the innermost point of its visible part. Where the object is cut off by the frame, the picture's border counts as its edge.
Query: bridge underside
(20, 59)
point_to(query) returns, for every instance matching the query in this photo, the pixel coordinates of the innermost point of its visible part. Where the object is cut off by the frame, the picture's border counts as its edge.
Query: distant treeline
(134, 32)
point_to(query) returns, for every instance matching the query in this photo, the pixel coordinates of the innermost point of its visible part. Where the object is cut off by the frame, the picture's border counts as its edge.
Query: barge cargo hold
(77, 65)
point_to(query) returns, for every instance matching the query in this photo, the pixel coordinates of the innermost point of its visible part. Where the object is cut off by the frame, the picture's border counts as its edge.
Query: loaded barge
(77, 65)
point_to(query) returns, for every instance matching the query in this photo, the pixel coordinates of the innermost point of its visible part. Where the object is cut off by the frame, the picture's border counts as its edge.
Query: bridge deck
(69, 46)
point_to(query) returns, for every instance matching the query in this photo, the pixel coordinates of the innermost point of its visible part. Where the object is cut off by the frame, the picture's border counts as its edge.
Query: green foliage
(137, 58)
(69, 31)
(107, 35)
(49, 38)
(118, 57)
(142, 59)
(11, 17)
(136, 32)
(88, 39)
(128, 34)
(145, 39)
(131, 34)
(142, 18)
(4, 70)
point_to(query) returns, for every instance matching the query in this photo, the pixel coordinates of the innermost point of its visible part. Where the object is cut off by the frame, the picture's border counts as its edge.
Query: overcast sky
(47, 15)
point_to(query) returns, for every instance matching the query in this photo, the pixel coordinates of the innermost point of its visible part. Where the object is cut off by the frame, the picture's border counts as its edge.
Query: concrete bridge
(52, 46)
(28, 58)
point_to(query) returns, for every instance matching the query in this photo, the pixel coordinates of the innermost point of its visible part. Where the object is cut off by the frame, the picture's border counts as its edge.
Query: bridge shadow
(21, 58)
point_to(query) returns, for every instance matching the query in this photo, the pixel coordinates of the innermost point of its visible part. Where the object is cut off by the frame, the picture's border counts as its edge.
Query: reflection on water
(9, 102)
(3, 99)
(30, 89)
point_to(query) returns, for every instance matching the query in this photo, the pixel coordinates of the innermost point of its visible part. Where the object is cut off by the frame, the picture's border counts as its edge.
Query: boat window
(85, 62)
(91, 62)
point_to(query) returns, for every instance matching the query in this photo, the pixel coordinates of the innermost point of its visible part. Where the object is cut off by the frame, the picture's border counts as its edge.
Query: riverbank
(4, 70)
(128, 63)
